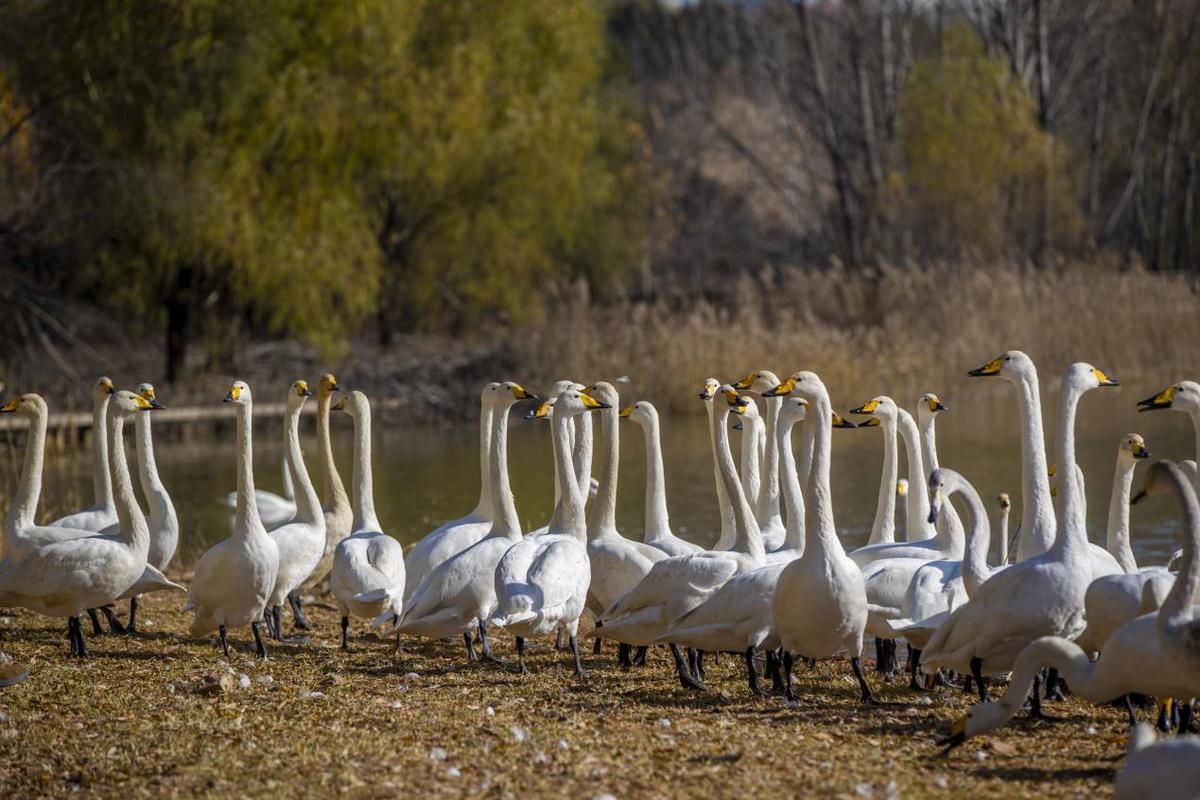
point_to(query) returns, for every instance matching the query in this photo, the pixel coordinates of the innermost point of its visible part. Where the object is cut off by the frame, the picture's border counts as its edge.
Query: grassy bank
(312, 721)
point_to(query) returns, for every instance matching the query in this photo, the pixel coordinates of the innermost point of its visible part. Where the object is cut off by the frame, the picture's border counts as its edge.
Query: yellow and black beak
(991, 368)
(142, 403)
(10, 406)
(1104, 379)
(1159, 401)
(520, 393)
(591, 403)
(1139, 450)
(840, 422)
(302, 389)
(340, 405)
(153, 401)
(235, 392)
(541, 412)
(746, 382)
(782, 390)
(958, 735)
(108, 385)
(1005, 502)
(870, 422)
(866, 408)
(626, 412)
(936, 405)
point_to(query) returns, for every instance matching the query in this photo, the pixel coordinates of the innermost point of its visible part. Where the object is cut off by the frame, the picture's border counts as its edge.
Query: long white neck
(919, 526)
(1117, 538)
(308, 507)
(749, 536)
(793, 498)
(1002, 545)
(132, 524)
(333, 491)
(487, 432)
(1072, 530)
(975, 568)
(1072, 664)
(604, 510)
(1177, 624)
(658, 521)
(29, 490)
(246, 522)
(767, 507)
(505, 523)
(883, 529)
(928, 440)
(101, 479)
(750, 471)
(1195, 415)
(583, 455)
(1037, 507)
(821, 539)
(728, 530)
(568, 512)
(363, 502)
(162, 510)
(808, 438)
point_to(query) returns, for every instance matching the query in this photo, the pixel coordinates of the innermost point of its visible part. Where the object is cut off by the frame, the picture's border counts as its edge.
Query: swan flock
(777, 585)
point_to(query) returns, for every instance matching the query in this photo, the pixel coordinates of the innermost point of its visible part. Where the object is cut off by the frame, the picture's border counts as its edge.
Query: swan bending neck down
(367, 575)
(542, 582)
(1037, 509)
(103, 511)
(658, 522)
(64, 578)
(234, 578)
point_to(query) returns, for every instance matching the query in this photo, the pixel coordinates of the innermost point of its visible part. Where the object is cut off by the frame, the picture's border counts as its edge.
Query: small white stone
(1090, 730)
(562, 745)
(437, 754)
(489, 712)
(244, 681)
(397, 704)
(265, 680)
(541, 758)
(663, 722)
(411, 676)
(519, 734)
(941, 781)
(980, 755)
(864, 790)
(313, 695)
(453, 772)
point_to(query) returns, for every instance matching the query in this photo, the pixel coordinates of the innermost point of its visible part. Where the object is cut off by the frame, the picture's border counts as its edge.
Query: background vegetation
(202, 178)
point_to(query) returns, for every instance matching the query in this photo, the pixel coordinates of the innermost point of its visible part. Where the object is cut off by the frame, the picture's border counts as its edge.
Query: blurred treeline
(210, 173)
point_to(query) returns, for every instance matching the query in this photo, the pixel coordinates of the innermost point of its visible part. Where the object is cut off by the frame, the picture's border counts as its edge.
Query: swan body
(367, 575)
(460, 594)
(234, 578)
(767, 510)
(103, 512)
(65, 578)
(457, 534)
(1166, 770)
(738, 616)
(658, 532)
(1041, 596)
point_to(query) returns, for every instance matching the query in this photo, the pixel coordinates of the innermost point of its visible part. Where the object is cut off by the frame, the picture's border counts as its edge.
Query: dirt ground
(137, 719)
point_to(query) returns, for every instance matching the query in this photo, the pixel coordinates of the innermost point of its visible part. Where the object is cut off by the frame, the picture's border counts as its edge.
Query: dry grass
(111, 727)
(908, 329)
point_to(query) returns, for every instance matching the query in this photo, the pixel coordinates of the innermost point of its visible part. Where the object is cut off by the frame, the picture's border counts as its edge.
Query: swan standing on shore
(658, 522)
(65, 578)
(103, 511)
(728, 532)
(459, 596)
(301, 542)
(881, 412)
(234, 578)
(367, 576)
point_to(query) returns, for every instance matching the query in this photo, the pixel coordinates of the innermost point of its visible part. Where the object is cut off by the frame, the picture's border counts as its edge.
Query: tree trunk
(1174, 120)
(1187, 213)
(1096, 156)
(179, 308)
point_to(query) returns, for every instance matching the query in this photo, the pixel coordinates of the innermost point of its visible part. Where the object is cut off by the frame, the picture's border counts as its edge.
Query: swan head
(298, 392)
(980, 719)
(793, 409)
(146, 390)
(710, 388)
(642, 412)
(27, 405)
(352, 404)
(757, 382)
(574, 402)
(1132, 449)
(902, 487)
(326, 386)
(937, 493)
(1011, 364)
(509, 392)
(1084, 377)
(929, 406)
(125, 403)
(880, 409)
(239, 394)
(804, 384)
(1163, 477)
(1005, 501)
(605, 392)
(103, 388)
(1182, 396)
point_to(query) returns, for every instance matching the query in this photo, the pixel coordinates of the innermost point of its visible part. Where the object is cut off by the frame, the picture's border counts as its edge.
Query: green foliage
(975, 161)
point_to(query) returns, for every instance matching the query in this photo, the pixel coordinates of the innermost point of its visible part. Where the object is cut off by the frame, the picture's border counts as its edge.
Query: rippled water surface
(424, 475)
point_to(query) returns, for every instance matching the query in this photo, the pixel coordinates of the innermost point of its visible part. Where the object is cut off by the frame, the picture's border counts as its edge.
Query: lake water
(425, 475)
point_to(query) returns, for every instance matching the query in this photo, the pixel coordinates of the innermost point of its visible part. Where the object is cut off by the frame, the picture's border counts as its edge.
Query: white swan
(273, 509)
(457, 534)
(658, 532)
(1036, 597)
(752, 429)
(103, 511)
(335, 503)
(618, 564)
(767, 510)
(459, 596)
(65, 578)
(919, 528)
(1165, 770)
(929, 408)
(882, 414)
(1037, 529)
(301, 542)
(820, 603)
(542, 582)
(234, 578)
(580, 437)
(728, 532)
(792, 411)
(1113, 600)
(367, 575)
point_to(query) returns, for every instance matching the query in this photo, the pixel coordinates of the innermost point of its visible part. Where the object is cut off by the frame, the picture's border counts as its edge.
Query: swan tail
(392, 605)
(515, 618)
